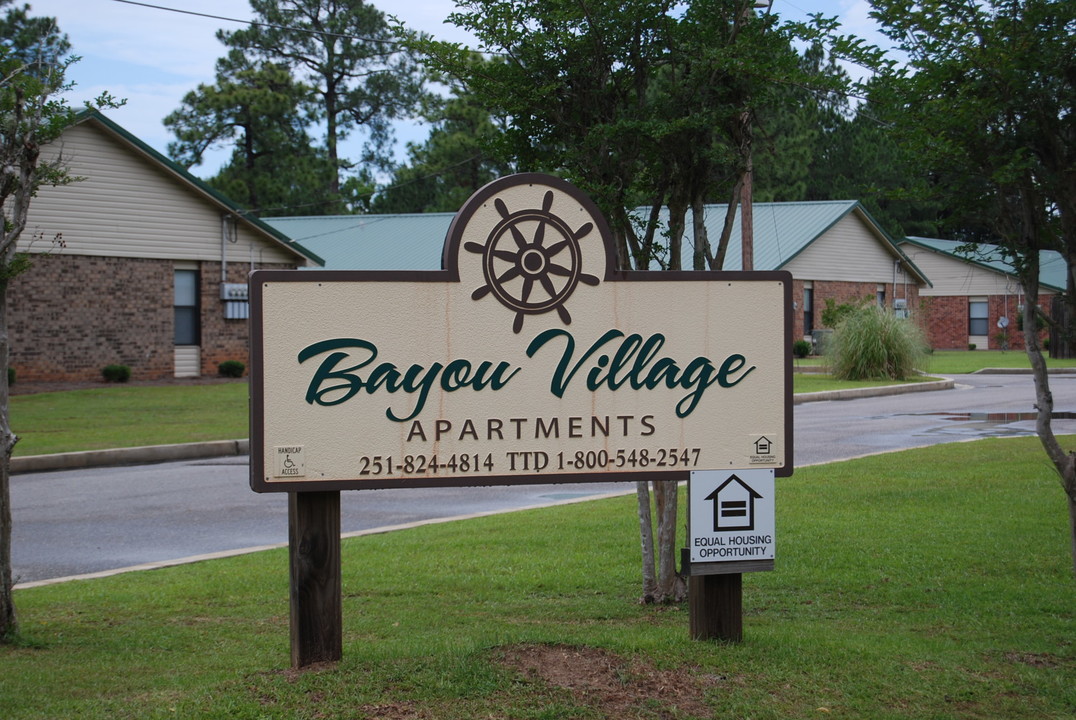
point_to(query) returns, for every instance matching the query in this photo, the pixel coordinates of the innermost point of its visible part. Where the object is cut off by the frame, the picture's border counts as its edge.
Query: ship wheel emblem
(531, 261)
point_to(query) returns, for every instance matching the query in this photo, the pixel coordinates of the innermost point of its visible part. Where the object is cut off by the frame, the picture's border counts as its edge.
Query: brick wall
(71, 315)
(947, 321)
(845, 293)
(221, 339)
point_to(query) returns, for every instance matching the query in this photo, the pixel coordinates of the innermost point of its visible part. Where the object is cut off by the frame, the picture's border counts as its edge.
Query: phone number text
(530, 461)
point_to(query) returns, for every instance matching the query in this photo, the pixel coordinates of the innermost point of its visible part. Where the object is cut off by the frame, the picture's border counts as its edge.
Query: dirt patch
(394, 711)
(606, 682)
(1042, 660)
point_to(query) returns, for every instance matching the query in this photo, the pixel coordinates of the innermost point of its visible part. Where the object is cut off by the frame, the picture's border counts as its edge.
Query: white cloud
(146, 38)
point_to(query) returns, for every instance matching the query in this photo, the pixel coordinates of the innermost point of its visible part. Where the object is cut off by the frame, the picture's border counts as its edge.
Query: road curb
(129, 456)
(1022, 371)
(853, 393)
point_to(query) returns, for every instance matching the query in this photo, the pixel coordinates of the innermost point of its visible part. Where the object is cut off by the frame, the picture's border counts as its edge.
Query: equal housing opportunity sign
(529, 358)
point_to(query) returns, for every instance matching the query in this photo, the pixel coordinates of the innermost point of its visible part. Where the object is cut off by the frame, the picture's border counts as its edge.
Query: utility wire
(255, 22)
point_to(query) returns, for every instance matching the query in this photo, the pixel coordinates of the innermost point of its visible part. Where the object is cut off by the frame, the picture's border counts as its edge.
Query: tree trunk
(699, 234)
(8, 619)
(677, 224)
(646, 537)
(1062, 334)
(1064, 462)
(717, 262)
(331, 133)
(1072, 529)
(671, 587)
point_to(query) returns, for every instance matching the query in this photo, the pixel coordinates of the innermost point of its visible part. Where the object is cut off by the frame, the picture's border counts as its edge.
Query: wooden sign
(528, 357)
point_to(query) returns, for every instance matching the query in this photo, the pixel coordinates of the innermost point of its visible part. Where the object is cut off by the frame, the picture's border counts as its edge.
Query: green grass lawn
(931, 583)
(959, 362)
(818, 382)
(120, 416)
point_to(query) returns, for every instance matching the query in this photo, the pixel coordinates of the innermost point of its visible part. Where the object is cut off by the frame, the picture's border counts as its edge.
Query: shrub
(835, 313)
(801, 349)
(231, 368)
(873, 343)
(10, 376)
(972, 346)
(116, 373)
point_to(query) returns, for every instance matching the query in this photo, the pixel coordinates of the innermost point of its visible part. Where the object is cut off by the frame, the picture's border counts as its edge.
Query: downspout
(896, 262)
(223, 248)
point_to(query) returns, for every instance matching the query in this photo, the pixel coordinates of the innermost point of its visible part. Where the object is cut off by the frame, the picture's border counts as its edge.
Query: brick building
(139, 264)
(975, 298)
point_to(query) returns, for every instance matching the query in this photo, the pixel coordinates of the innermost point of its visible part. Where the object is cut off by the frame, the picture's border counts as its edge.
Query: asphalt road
(79, 522)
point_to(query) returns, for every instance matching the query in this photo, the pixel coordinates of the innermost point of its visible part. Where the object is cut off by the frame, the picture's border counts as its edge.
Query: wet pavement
(979, 406)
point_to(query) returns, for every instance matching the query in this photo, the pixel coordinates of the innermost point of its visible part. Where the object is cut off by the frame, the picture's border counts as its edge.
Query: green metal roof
(1052, 270)
(782, 230)
(371, 242)
(415, 241)
(181, 172)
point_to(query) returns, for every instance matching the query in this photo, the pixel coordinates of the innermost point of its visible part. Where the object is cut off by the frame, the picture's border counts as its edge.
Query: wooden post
(747, 219)
(715, 604)
(314, 558)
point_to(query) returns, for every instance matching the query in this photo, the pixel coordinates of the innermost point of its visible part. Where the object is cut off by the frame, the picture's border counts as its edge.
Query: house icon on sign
(763, 446)
(734, 505)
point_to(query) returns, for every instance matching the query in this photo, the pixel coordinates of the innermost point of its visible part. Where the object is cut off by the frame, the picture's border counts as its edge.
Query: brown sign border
(450, 273)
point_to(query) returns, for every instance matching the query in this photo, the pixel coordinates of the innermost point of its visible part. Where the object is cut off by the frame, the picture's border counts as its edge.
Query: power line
(258, 24)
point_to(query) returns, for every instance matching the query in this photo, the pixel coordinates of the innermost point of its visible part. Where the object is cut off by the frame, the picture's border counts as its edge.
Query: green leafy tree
(646, 102)
(573, 87)
(794, 127)
(454, 161)
(861, 159)
(359, 78)
(726, 68)
(255, 109)
(576, 86)
(32, 67)
(987, 102)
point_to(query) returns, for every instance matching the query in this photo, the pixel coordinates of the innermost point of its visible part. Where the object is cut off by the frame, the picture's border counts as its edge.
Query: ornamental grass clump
(873, 343)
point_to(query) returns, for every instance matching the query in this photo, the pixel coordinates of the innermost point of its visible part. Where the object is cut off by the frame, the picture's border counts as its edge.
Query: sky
(152, 57)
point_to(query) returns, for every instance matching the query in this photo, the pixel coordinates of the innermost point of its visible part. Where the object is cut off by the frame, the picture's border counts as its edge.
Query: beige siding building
(976, 299)
(138, 263)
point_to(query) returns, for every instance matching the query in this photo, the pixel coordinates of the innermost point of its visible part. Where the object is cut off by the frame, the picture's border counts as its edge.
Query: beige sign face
(527, 359)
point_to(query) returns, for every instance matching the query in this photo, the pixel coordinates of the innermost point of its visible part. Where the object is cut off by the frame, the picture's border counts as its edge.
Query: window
(977, 317)
(808, 310)
(879, 295)
(186, 308)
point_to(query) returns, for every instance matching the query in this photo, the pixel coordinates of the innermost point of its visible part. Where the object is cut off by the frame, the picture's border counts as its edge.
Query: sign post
(529, 358)
(731, 530)
(315, 577)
